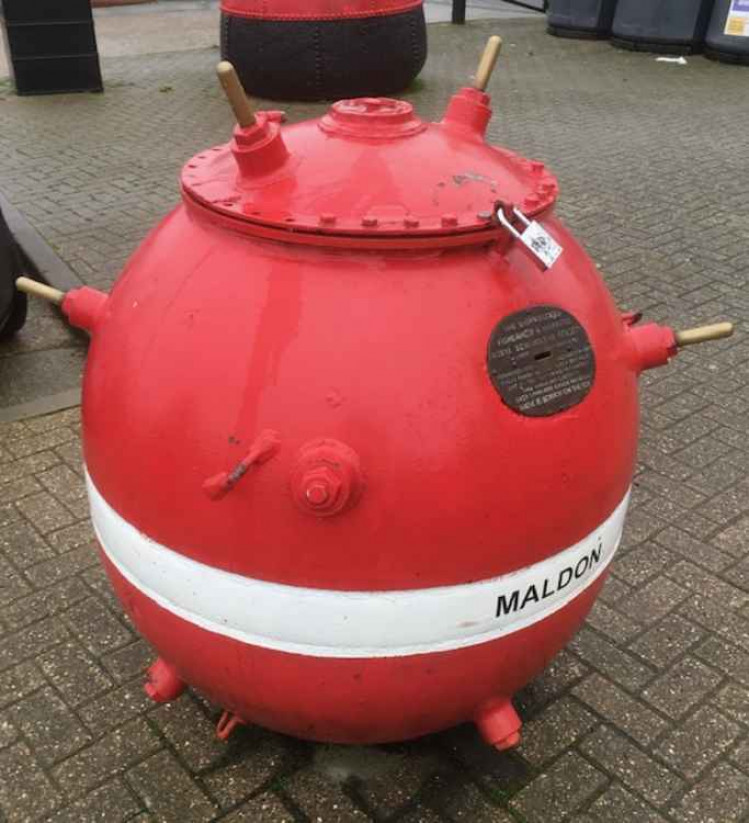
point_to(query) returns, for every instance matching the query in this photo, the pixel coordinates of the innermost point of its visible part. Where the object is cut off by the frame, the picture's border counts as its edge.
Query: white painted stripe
(327, 623)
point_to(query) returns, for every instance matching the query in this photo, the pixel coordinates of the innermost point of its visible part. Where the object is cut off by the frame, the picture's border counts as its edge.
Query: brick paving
(645, 717)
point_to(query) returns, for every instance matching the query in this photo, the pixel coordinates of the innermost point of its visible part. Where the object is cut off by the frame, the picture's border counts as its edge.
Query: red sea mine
(360, 420)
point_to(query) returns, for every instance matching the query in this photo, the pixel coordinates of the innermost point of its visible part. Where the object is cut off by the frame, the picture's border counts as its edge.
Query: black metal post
(459, 11)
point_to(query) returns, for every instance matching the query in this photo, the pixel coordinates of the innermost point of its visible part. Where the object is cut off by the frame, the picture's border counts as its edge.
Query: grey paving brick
(19, 681)
(725, 657)
(129, 661)
(734, 539)
(493, 770)
(110, 755)
(725, 506)
(51, 422)
(96, 627)
(559, 791)
(709, 613)
(617, 664)
(51, 571)
(641, 563)
(642, 525)
(707, 585)
(615, 625)
(740, 756)
(384, 782)
(655, 599)
(30, 642)
(464, 802)
(698, 526)
(71, 453)
(722, 796)
(63, 483)
(681, 687)
(32, 443)
(717, 476)
(111, 803)
(12, 585)
(321, 798)
(115, 707)
(9, 513)
(25, 791)
(563, 671)
(621, 710)
(260, 756)
(79, 535)
(632, 766)
(76, 674)
(667, 640)
(738, 574)
(48, 726)
(190, 732)
(46, 603)
(614, 591)
(558, 727)
(168, 791)
(733, 702)
(265, 808)
(45, 512)
(696, 551)
(8, 732)
(698, 742)
(617, 804)
(18, 489)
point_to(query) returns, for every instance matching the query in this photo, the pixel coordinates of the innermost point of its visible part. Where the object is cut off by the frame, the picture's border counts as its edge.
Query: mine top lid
(370, 168)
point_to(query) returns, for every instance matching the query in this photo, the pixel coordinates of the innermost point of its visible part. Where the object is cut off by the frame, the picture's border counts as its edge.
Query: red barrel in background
(324, 49)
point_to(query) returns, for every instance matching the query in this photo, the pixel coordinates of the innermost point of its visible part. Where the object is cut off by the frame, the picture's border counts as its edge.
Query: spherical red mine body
(358, 457)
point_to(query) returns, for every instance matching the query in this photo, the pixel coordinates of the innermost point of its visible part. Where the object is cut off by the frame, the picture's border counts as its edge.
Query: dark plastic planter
(728, 33)
(666, 26)
(581, 18)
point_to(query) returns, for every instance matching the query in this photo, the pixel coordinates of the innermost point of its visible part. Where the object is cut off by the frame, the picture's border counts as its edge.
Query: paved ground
(645, 717)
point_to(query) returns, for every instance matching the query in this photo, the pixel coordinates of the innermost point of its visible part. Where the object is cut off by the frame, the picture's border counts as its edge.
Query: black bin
(581, 18)
(51, 45)
(728, 33)
(666, 26)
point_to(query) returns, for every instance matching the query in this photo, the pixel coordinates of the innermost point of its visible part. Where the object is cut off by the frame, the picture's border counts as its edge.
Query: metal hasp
(358, 447)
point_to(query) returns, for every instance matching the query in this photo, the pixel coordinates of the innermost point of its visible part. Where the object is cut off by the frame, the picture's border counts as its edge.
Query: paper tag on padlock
(541, 243)
(534, 237)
